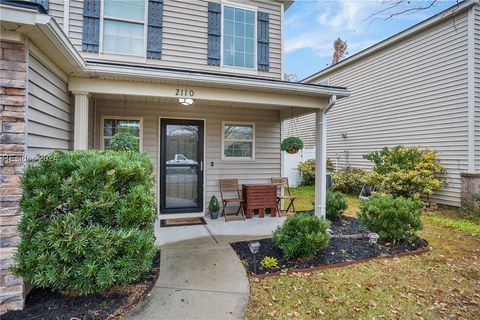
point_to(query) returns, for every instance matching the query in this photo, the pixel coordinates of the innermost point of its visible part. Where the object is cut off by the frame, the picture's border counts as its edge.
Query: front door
(181, 166)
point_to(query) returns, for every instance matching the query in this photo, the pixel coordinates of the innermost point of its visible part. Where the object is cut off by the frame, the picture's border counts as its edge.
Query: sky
(311, 26)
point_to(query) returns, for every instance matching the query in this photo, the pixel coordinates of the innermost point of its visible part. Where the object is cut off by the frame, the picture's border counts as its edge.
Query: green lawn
(306, 195)
(441, 284)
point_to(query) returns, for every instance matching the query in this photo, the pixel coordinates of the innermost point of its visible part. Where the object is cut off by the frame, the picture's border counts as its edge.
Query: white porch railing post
(321, 163)
(80, 138)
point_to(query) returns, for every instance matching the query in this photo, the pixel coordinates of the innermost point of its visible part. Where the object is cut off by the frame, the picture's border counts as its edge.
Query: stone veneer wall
(470, 184)
(13, 69)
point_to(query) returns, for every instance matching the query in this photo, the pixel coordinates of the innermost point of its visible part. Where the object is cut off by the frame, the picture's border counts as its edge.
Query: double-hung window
(112, 125)
(238, 140)
(124, 27)
(239, 37)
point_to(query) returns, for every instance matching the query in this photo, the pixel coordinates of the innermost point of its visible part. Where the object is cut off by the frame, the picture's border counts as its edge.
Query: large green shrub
(349, 180)
(124, 141)
(336, 204)
(87, 220)
(301, 235)
(409, 172)
(307, 168)
(392, 218)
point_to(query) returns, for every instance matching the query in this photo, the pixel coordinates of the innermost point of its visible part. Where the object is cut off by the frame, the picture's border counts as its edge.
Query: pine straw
(441, 284)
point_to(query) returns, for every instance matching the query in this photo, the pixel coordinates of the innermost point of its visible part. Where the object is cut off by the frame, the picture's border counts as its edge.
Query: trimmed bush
(124, 141)
(336, 204)
(410, 172)
(392, 218)
(87, 220)
(349, 181)
(301, 235)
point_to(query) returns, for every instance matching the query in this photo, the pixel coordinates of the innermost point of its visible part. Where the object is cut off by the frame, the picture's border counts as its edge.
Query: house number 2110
(184, 93)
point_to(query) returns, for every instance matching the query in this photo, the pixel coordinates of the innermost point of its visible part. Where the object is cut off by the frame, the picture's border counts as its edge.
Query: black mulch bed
(337, 251)
(43, 304)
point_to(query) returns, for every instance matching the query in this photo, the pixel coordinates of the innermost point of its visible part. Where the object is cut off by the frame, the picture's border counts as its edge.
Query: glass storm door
(181, 166)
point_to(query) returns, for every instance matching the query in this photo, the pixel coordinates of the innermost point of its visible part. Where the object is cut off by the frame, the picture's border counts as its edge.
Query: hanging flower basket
(291, 145)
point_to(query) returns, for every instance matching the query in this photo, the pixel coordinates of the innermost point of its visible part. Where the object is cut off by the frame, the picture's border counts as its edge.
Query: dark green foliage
(336, 204)
(87, 220)
(291, 144)
(124, 141)
(301, 235)
(213, 206)
(349, 181)
(392, 218)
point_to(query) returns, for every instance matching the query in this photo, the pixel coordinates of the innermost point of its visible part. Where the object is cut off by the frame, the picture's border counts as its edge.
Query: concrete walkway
(201, 277)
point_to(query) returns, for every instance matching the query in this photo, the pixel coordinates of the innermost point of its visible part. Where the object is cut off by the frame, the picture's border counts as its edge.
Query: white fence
(290, 164)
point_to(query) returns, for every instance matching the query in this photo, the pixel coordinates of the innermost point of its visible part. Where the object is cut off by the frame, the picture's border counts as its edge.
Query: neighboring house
(418, 87)
(193, 78)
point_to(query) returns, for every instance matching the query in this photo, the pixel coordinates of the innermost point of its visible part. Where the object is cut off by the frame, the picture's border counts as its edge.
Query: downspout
(321, 153)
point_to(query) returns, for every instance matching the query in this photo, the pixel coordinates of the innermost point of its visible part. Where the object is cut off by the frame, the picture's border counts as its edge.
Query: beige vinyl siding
(49, 114)
(302, 126)
(267, 137)
(184, 42)
(413, 92)
(56, 8)
(477, 87)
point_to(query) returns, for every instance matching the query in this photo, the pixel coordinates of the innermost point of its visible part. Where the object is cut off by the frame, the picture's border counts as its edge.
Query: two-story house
(199, 83)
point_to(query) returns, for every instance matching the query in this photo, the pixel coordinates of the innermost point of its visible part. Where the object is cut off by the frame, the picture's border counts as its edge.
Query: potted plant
(291, 145)
(213, 207)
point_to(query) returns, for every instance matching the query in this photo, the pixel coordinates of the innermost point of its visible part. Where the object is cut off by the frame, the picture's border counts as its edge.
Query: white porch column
(80, 138)
(321, 163)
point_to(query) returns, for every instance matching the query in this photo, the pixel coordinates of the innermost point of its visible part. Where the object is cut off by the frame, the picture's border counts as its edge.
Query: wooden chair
(230, 193)
(282, 185)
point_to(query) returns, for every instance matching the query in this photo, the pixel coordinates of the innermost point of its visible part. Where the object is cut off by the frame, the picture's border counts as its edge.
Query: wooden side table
(260, 197)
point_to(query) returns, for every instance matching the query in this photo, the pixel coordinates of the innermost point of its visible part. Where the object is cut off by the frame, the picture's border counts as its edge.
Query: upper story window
(124, 27)
(239, 40)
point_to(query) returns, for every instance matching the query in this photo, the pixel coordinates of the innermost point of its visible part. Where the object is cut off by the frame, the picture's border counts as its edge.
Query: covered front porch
(182, 125)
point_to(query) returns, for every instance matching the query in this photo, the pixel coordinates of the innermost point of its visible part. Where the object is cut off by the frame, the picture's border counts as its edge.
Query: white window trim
(223, 141)
(145, 30)
(102, 127)
(245, 70)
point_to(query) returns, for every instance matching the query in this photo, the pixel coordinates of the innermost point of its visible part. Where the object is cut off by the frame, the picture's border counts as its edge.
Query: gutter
(79, 66)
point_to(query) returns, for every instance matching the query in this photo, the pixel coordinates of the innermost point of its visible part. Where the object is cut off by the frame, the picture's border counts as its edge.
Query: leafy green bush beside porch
(87, 220)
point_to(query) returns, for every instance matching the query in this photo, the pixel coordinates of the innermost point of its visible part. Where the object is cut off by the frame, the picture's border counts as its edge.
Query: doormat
(182, 222)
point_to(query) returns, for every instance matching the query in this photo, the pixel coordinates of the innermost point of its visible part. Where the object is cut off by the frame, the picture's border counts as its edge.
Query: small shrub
(213, 206)
(87, 221)
(307, 169)
(301, 235)
(124, 141)
(410, 172)
(291, 144)
(336, 204)
(392, 218)
(269, 262)
(349, 181)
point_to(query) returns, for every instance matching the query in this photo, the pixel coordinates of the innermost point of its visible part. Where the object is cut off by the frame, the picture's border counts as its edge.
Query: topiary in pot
(124, 141)
(214, 207)
(87, 221)
(291, 145)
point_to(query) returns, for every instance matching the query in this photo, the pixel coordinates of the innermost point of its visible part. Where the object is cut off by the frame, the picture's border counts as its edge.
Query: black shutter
(154, 33)
(44, 4)
(214, 33)
(263, 41)
(91, 25)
